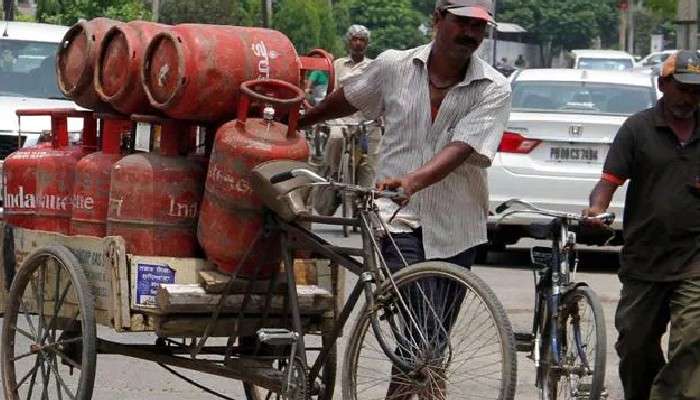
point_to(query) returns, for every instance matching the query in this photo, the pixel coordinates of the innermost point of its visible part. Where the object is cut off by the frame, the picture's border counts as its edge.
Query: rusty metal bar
(241, 369)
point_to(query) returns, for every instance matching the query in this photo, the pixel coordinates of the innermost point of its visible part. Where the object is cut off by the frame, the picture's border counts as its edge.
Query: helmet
(357, 30)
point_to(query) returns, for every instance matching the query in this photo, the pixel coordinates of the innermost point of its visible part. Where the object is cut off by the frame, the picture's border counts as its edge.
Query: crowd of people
(445, 110)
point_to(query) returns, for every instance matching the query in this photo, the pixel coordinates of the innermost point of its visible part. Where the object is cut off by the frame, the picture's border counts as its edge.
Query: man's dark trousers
(644, 311)
(435, 290)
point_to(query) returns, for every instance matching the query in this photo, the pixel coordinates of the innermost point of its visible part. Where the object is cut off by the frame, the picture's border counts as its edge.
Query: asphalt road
(508, 273)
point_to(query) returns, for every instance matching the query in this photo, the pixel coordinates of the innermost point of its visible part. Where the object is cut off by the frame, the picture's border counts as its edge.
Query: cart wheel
(322, 389)
(48, 335)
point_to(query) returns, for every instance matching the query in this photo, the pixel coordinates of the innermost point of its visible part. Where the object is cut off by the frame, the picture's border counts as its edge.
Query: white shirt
(345, 68)
(452, 212)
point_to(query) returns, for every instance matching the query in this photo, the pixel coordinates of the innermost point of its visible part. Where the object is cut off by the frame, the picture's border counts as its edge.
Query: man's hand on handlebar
(592, 221)
(407, 184)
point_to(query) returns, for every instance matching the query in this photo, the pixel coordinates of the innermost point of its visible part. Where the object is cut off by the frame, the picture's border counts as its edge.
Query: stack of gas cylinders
(174, 120)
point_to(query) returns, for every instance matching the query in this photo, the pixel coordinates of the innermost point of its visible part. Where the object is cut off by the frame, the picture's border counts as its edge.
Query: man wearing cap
(658, 151)
(444, 112)
(326, 201)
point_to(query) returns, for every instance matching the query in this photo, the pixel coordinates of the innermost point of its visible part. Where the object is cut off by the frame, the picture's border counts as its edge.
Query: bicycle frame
(556, 279)
(369, 276)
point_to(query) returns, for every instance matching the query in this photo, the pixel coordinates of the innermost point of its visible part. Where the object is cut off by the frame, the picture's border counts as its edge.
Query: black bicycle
(430, 330)
(355, 136)
(568, 338)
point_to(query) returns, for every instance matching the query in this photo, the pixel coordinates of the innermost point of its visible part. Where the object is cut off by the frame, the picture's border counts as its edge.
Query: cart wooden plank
(172, 298)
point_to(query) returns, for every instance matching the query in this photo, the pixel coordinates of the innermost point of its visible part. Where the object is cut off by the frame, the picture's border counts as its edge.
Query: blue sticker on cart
(149, 277)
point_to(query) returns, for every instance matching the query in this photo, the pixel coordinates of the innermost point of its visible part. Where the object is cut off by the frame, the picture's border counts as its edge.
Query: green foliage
(309, 24)
(648, 22)
(567, 24)
(424, 7)
(667, 8)
(220, 12)
(394, 23)
(68, 12)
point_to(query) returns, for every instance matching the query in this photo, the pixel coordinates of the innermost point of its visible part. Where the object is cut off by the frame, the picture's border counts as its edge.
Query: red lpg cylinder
(231, 215)
(55, 175)
(92, 179)
(194, 71)
(118, 69)
(37, 178)
(154, 197)
(76, 60)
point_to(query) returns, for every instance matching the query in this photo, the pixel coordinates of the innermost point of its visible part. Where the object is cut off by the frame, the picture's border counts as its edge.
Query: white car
(652, 62)
(28, 80)
(609, 60)
(560, 128)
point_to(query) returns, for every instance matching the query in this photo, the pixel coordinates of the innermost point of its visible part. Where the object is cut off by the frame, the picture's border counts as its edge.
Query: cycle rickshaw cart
(426, 330)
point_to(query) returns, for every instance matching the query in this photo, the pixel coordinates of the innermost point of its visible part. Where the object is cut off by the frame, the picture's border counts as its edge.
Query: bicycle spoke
(64, 357)
(59, 302)
(32, 381)
(62, 383)
(46, 378)
(58, 378)
(31, 372)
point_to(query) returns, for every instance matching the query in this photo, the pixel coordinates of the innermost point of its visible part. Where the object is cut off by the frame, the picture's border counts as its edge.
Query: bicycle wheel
(447, 326)
(581, 373)
(48, 336)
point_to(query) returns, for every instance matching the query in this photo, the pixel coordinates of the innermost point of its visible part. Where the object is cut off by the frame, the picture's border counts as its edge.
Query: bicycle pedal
(277, 337)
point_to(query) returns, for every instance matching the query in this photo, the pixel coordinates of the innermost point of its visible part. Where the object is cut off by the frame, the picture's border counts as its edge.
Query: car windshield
(28, 69)
(609, 64)
(581, 97)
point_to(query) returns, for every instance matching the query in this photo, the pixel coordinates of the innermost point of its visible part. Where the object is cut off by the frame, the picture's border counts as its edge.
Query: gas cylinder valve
(268, 113)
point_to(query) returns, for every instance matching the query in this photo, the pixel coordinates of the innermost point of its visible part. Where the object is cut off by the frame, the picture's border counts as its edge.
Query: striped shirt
(346, 68)
(453, 212)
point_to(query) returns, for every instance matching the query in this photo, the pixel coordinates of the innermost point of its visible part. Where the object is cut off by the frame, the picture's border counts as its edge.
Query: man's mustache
(466, 40)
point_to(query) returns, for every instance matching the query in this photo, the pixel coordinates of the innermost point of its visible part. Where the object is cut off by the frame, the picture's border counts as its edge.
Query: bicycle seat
(287, 199)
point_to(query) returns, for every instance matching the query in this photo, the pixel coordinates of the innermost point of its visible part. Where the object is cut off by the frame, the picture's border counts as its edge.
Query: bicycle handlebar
(316, 179)
(369, 123)
(607, 218)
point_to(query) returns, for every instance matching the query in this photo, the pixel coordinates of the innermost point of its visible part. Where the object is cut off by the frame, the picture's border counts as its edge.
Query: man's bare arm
(333, 106)
(435, 170)
(600, 197)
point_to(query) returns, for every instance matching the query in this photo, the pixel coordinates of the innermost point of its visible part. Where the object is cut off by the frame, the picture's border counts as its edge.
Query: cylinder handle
(277, 93)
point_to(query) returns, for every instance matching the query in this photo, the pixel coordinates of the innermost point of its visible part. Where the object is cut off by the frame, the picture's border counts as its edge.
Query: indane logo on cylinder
(19, 199)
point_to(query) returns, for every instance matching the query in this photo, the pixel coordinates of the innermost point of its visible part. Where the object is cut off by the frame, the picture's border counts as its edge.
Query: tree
(563, 25)
(667, 8)
(309, 24)
(68, 12)
(221, 12)
(394, 24)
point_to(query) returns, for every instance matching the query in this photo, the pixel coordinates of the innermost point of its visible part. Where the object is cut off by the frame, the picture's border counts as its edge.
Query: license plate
(580, 154)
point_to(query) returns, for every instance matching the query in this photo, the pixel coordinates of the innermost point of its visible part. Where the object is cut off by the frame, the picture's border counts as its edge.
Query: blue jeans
(444, 295)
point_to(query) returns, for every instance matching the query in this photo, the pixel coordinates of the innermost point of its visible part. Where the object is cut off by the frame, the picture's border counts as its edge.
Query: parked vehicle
(28, 80)
(611, 60)
(652, 62)
(556, 141)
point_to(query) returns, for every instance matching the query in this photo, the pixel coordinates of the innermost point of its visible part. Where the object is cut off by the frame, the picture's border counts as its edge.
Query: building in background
(512, 41)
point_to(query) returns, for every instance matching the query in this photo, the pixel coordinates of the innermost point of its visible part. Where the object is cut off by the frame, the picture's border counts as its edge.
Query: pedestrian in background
(326, 200)
(658, 152)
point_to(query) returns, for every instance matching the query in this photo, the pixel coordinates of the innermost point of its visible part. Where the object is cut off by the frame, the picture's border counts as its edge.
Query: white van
(611, 60)
(28, 80)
